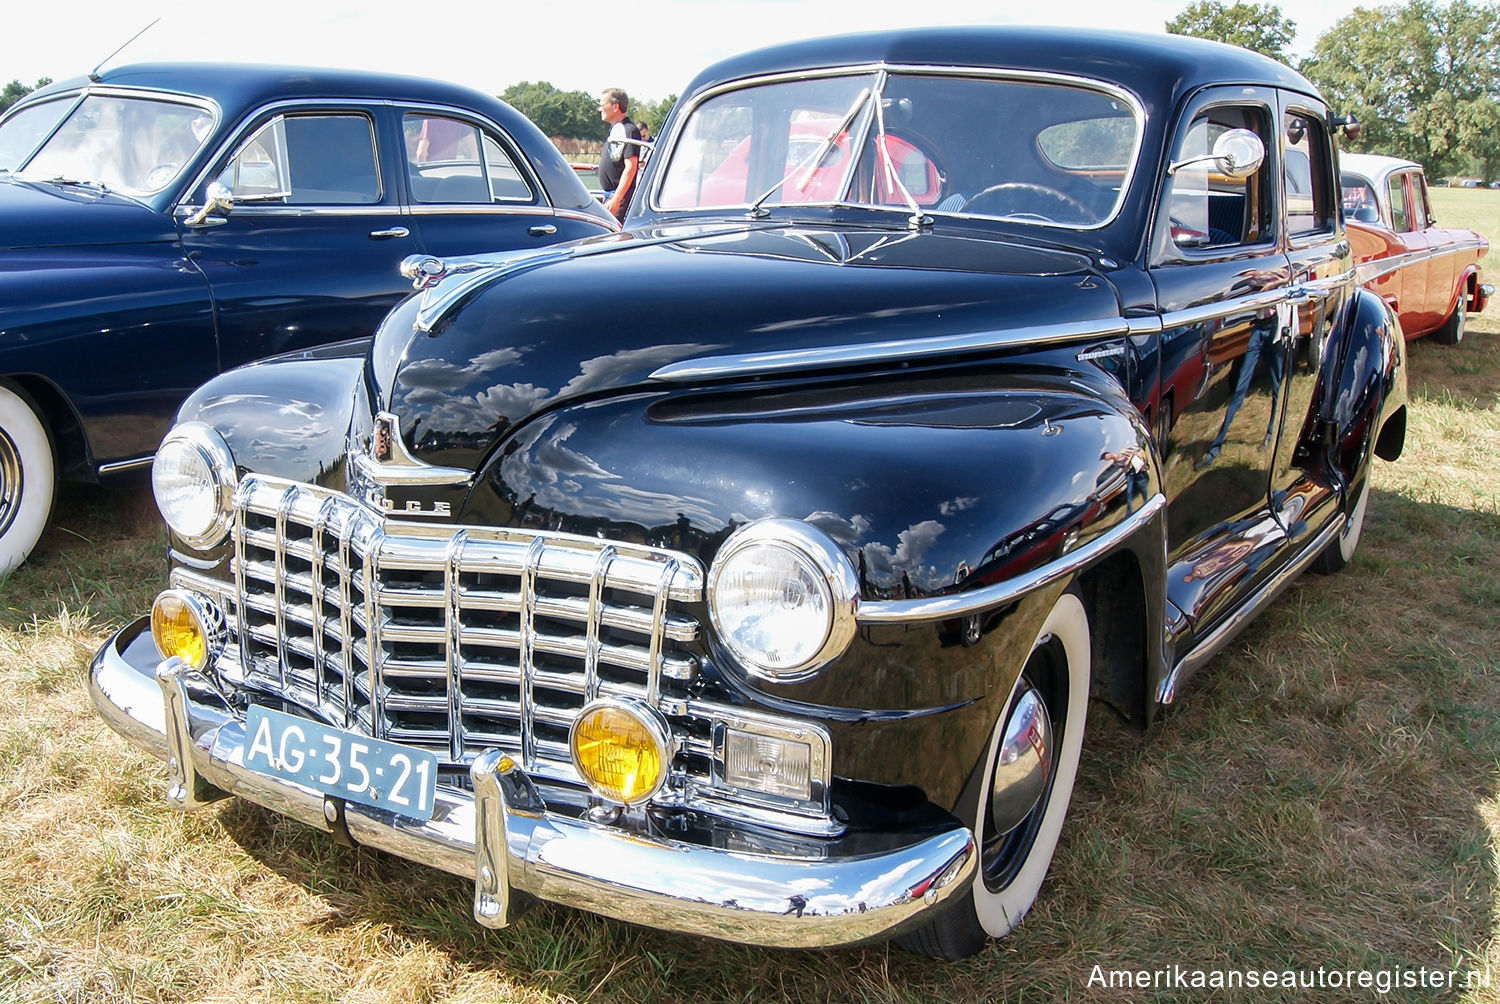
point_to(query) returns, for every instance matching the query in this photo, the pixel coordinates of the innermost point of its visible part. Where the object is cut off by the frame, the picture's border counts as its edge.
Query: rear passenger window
(300, 160)
(1210, 209)
(451, 161)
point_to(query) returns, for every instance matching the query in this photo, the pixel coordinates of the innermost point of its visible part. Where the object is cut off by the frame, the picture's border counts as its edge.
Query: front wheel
(1340, 550)
(27, 477)
(1030, 767)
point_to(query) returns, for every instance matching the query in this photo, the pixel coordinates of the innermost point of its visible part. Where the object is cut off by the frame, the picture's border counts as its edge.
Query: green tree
(15, 91)
(654, 112)
(1423, 79)
(1257, 26)
(566, 114)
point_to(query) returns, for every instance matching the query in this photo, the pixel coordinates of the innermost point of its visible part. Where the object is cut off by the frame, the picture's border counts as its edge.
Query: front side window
(130, 144)
(1305, 174)
(1400, 209)
(1042, 152)
(302, 160)
(449, 160)
(1418, 200)
(1210, 209)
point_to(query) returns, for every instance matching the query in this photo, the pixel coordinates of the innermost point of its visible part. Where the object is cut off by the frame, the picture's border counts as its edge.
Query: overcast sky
(649, 47)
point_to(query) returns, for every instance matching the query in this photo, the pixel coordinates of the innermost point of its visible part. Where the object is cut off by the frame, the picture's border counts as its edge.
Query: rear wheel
(1030, 767)
(1452, 331)
(27, 476)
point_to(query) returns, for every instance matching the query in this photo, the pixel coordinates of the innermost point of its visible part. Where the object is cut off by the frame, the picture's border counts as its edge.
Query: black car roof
(1148, 64)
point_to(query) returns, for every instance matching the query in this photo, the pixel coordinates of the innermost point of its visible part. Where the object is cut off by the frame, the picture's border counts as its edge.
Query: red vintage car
(1428, 274)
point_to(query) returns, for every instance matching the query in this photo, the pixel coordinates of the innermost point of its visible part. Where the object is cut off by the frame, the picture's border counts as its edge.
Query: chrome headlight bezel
(200, 443)
(829, 569)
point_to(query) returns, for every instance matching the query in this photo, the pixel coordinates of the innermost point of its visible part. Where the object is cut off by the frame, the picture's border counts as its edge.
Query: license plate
(353, 767)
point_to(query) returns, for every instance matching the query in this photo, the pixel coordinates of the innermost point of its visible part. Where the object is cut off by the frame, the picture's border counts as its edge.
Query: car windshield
(128, 144)
(1049, 152)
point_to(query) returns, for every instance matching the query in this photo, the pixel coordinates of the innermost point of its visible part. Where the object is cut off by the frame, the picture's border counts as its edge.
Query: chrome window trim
(881, 353)
(508, 145)
(304, 106)
(885, 70)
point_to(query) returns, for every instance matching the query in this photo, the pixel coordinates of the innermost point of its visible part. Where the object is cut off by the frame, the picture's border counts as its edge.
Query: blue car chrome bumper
(503, 836)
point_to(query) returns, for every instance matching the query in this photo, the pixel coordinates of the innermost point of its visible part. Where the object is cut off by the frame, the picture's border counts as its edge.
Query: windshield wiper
(97, 186)
(811, 163)
(917, 220)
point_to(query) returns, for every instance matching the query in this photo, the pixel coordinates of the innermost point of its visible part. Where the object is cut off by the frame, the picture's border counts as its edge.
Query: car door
(472, 190)
(311, 250)
(1411, 279)
(1442, 266)
(1322, 279)
(1222, 284)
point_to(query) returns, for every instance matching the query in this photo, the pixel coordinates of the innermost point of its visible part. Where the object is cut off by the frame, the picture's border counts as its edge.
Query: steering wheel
(1028, 199)
(161, 174)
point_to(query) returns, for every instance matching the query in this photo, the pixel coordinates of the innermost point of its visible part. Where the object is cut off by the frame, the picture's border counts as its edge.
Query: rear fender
(1362, 398)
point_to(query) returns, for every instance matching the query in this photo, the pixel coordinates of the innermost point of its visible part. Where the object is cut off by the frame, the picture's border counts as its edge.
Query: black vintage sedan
(987, 373)
(162, 223)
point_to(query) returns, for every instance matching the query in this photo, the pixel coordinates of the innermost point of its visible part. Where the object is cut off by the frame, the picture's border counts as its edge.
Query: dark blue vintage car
(162, 223)
(987, 373)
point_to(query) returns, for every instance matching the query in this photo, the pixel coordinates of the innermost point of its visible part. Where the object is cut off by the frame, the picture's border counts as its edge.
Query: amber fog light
(188, 627)
(622, 750)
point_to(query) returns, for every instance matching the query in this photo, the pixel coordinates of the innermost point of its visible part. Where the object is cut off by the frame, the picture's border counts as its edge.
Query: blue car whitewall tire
(27, 477)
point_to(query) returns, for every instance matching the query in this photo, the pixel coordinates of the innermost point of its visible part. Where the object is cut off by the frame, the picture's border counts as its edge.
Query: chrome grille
(453, 639)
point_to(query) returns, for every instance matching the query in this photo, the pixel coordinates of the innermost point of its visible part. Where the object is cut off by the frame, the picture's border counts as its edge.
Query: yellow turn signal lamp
(622, 750)
(188, 627)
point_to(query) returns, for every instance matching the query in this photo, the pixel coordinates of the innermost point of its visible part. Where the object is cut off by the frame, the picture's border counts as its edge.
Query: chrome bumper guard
(503, 836)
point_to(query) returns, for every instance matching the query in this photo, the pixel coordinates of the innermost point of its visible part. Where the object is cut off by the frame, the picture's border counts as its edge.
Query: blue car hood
(42, 215)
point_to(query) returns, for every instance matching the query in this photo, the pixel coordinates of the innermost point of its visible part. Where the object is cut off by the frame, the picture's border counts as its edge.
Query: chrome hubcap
(1024, 763)
(10, 481)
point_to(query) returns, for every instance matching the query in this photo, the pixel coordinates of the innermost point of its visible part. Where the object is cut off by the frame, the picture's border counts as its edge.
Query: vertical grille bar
(346, 621)
(376, 650)
(453, 607)
(596, 613)
(528, 652)
(320, 676)
(658, 630)
(243, 611)
(279, 586)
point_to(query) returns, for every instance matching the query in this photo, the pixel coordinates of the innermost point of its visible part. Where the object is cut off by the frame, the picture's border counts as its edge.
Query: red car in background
(1428, 274)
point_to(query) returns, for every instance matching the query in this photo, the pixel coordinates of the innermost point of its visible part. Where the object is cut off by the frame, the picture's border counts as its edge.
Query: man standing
(620, 159)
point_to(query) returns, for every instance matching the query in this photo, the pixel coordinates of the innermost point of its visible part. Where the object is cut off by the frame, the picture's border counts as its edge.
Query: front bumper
(503, 836)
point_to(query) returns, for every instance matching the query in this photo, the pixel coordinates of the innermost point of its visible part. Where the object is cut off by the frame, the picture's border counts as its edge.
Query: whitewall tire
(27, 477)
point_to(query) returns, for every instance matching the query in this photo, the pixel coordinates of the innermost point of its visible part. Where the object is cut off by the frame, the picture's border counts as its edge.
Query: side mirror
(217, 199)
(1237, 154)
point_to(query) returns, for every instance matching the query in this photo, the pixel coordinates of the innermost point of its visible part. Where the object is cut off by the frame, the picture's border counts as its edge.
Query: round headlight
(782, 598)
(622, 750)
(193, 481)
(187, 626)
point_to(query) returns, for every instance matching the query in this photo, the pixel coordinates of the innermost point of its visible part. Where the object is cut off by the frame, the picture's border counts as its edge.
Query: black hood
(602, 318)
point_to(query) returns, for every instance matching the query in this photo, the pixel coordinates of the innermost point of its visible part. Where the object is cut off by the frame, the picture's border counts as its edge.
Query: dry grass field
(1325, 795)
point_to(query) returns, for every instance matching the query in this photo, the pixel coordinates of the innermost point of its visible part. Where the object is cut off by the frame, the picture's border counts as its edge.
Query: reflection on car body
(772, 613)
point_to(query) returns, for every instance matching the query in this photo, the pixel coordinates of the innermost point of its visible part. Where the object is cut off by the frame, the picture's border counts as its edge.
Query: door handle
(385, 235)
(544, 230)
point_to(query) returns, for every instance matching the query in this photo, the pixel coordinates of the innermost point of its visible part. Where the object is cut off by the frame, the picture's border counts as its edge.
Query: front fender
(931, 484)
(289, 416)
